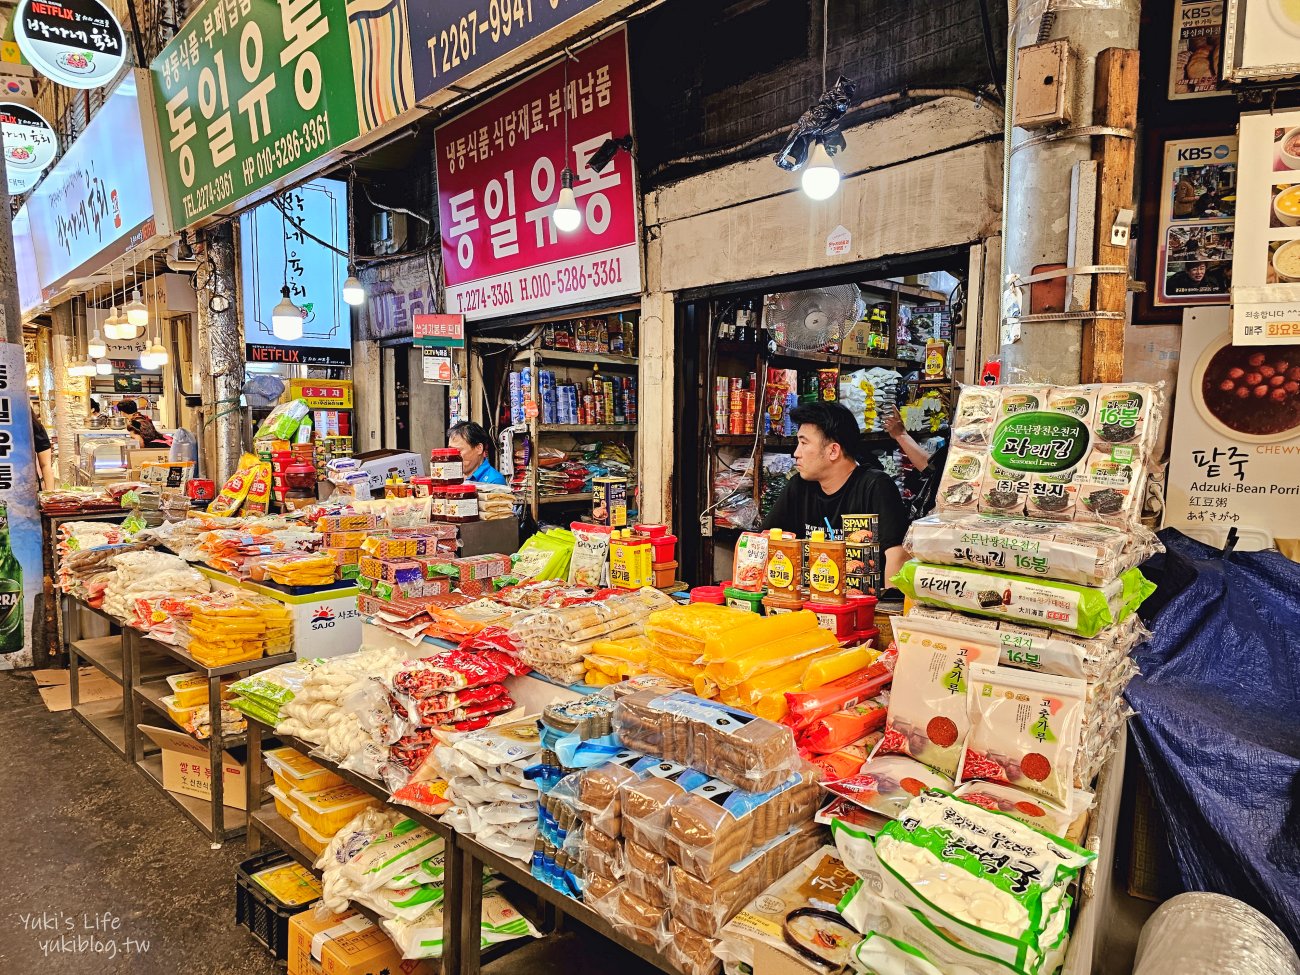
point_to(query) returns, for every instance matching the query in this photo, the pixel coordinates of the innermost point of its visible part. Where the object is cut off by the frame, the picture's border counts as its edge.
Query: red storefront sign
(499, 179)
(446, 330)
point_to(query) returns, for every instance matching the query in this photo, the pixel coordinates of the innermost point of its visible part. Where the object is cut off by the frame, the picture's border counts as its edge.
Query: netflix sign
(499, 172)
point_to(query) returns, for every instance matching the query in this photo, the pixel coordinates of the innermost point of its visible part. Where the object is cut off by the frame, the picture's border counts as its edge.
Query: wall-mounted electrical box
(1043, 80)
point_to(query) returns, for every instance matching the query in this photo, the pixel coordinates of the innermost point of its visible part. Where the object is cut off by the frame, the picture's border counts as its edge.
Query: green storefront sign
(247, 92)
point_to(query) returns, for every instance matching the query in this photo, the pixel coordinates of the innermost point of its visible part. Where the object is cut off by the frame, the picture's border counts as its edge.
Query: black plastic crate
(266, 918)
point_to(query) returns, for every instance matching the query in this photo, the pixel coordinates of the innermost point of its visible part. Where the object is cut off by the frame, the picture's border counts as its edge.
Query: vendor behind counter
(832, 482)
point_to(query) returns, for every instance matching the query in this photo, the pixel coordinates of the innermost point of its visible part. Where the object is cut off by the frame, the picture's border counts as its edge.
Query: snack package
(234, 491)
(962, 481)
(258, 500)
(928, 717)
(885, 784)
(1017, 804)
(1025, 731)
(972, 423)
(805, 707)
(1081, 610)
(590, 561)
(840, 729)
(1082, 553)
(749, 564)
(282, 422)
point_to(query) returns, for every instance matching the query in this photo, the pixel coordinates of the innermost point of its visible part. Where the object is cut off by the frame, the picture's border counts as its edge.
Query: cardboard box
(187, 771)
(346, 944)
(377, 464)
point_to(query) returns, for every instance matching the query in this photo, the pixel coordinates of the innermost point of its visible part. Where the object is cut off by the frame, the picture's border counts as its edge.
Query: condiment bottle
(826, 569)
(784, 567)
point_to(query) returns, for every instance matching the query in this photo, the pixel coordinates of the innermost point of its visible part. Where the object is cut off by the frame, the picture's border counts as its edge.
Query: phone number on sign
(567, 280)
(296, 144)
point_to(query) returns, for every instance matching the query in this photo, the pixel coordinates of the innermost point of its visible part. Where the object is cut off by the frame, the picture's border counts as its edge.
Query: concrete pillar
(64, 349)
(11, 322)
(366, 390)
(656, 400)
(1037, 204)
(221, 350)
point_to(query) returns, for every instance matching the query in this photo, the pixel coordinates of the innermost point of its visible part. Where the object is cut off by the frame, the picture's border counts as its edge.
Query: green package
(1063, 606)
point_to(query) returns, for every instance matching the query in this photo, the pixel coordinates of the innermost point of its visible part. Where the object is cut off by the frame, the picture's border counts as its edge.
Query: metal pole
(11, 322)
(221, 349)
(1037, 203)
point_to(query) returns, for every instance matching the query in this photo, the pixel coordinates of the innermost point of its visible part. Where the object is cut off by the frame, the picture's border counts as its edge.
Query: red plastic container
(665, 547)
(708, 594)
(840, 620)
(654, 531)
(865, 606)
(863, 637)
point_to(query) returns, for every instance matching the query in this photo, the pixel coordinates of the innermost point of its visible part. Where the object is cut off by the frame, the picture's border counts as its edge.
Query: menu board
(1234, 461)
(1266, 260)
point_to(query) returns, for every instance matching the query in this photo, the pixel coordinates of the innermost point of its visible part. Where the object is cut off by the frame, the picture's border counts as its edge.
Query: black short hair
(127, 407)
(834, 420)
(473, 434)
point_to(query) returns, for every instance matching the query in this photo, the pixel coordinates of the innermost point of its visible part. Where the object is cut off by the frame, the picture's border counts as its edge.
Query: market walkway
(92, 851)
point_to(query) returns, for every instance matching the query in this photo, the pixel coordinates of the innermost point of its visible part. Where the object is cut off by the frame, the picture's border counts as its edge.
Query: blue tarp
(1218, 725)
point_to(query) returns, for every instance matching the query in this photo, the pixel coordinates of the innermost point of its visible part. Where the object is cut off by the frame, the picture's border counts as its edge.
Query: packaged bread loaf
(716, 825)
(644, 801)
(691, 951)
(598, 888)
(647, 874)
(641, 918)
(638, 723)
(597, 792)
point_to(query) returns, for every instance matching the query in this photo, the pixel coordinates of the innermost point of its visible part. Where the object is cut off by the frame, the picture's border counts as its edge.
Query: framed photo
(1198, 203)
(1261, 39)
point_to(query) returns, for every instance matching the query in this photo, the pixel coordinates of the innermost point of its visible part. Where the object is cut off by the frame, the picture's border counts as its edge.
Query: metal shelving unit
(57, 637)
(217, 820)
(108, 719)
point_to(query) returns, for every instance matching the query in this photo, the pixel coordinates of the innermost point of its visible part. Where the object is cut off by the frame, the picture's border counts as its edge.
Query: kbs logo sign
(1204, 153)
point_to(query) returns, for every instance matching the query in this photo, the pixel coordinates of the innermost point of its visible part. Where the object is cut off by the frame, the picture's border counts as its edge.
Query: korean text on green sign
(247, 92)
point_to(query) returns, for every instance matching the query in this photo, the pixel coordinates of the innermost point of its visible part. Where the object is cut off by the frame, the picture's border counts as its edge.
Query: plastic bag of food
(1081, 610)
(545, 555)
(840, 729)
(885, 784)
(928, 717)
(282, 422)
(236, 489)
(423, 937)
(1017, 804)
(683, 631)
(749, 565)
(590, 559)
(805, 707)
(1024, 731)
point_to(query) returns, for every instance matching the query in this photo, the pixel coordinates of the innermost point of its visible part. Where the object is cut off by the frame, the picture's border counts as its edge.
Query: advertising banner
(1235, 454)
(276, 250)
(499, 169)
(21, 579)
(247, 92)
(78, 43)
(1198, 199)
(395, 294)
(1266, 260)
(97, 202)
(1196, 63)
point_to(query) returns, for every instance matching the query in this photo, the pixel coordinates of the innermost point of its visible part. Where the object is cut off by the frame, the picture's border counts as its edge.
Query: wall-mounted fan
(812, 321)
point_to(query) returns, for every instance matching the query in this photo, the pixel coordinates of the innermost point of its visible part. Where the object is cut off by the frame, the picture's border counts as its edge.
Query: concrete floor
(92, 851)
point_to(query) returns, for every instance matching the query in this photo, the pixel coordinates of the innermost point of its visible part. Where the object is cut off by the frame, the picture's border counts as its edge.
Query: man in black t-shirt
(44, 452)
(832, 483)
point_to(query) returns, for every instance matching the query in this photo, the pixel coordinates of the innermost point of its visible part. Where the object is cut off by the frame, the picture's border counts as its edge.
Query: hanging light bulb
(158, 351)
(96, 348)
(566, 214)
(104, 367)
(146, 357)
(354, 292)
(286, 318)
(820, 177)
(137, 315)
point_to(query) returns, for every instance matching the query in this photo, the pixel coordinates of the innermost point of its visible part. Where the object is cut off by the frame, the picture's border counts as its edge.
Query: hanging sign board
(77, 43)
(1234, 460)
(30, 145)
(277, 251)
(247, 92)
(395, 295)
(437, 366)
(96, 203)
(1198, 198)
(20, 522)
(1261, 39)
(498, 169)
(451, 38)
(439, 331)
(1266, 263)
(322, 394)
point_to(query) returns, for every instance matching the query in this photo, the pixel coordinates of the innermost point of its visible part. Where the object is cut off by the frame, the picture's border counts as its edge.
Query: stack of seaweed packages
(1015, 652)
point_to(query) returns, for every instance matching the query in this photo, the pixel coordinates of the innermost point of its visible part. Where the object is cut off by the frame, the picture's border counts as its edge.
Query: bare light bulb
(820, 177)
(96, 348)
(286, 318)
(354, 292)
(104, 367)
(566, 214)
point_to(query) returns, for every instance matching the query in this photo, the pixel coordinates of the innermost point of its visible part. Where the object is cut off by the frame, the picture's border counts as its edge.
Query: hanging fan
(263, 391)
(812, 321)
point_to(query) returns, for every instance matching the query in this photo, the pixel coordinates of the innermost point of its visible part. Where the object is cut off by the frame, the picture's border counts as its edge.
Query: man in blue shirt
(475, 448)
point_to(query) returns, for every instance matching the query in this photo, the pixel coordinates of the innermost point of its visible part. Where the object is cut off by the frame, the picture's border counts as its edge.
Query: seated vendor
(475, 448)
(832, 483)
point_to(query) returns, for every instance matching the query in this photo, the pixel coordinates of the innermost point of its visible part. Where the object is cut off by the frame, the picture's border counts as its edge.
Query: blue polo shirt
(485, 473)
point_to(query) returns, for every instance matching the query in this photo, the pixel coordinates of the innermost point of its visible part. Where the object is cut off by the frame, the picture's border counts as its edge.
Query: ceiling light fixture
(354, 292)
(820, 177)
(104, 367)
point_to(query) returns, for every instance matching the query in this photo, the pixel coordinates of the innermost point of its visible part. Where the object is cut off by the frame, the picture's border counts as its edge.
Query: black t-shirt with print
(804, 507)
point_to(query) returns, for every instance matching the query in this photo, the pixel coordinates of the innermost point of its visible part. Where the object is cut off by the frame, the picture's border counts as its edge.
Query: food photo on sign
(1197, 206)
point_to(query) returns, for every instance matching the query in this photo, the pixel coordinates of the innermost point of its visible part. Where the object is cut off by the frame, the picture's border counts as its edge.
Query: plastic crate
(266, 918)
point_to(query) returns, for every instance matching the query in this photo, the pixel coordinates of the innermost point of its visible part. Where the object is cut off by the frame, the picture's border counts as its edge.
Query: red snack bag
(432, 709)
(842, 728)
(807, 706)
(1025, 730)
(453, 670)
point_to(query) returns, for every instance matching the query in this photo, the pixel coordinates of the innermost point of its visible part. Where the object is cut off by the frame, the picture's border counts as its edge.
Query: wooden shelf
(838, 359)
(564, 498)
(905, 291)
(586, 428)
(580, 358)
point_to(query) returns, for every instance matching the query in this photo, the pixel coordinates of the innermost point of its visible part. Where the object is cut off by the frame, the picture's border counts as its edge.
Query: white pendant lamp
(137, 315)
(96, 348)
(566, 214)
(104, 367)
(159, 352)
(286, 318)
(820, 177)
(354, 292)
